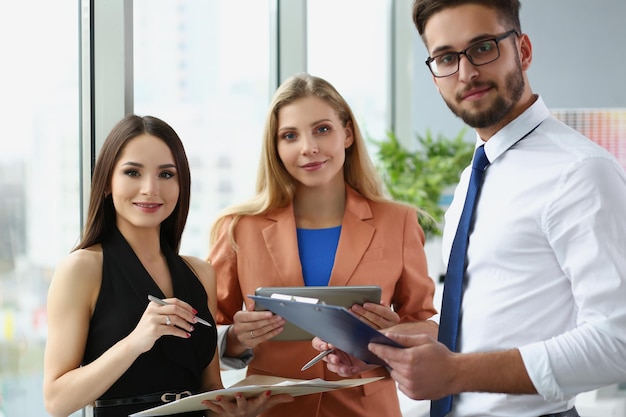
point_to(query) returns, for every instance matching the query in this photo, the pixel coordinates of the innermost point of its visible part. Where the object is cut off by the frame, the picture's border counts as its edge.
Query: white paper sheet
(252, 386)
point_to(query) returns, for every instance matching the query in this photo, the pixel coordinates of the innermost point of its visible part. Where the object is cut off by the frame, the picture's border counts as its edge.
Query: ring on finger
(168, 322)
(252, 334)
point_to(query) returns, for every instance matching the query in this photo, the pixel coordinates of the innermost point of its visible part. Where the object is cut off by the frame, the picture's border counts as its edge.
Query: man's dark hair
(508, 11)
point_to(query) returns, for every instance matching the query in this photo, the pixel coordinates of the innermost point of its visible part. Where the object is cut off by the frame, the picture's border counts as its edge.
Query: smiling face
(144, 186)
(488, 96)
(312, 142)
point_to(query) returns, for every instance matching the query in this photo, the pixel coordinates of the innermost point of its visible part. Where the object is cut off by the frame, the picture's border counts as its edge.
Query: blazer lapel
(355, 237)
(282, 244)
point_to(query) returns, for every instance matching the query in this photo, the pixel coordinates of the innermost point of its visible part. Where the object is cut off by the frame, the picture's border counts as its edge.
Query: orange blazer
(380, 244)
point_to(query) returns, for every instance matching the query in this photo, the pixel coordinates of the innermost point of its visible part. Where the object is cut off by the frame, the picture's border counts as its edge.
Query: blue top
(317, 248)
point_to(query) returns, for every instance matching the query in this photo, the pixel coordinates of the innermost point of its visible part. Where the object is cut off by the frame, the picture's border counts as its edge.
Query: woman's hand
(177, 318)
(340, 362)
(242, 407)
(251, 328)
(378, 316)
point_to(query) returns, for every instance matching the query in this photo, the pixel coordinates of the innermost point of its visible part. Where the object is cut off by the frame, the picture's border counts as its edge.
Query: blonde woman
(319, 217)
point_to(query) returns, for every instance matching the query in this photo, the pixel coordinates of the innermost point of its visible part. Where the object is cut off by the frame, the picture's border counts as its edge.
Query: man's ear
(525, 51)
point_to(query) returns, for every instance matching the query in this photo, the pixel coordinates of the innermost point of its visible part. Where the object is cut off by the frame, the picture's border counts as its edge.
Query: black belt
(163, 397)
(569, 413)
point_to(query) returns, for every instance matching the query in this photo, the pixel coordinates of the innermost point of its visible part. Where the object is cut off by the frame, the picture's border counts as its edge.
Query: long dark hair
(101, 213)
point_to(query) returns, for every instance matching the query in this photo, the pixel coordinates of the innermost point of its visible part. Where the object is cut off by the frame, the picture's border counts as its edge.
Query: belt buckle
(170, 396)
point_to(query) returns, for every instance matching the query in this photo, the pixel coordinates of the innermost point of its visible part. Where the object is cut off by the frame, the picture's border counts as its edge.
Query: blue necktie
(453, 283)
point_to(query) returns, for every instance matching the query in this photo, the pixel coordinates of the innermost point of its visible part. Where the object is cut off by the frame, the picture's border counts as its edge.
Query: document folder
(333, 324)
(335, 295)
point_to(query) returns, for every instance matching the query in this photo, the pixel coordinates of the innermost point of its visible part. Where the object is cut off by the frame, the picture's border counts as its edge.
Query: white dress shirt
(546, 264)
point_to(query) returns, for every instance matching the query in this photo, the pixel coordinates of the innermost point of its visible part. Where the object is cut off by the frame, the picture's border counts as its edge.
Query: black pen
(163, 303)
(317, 359)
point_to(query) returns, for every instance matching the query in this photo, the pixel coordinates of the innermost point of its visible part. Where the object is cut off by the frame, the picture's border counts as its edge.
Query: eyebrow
(312, 124)
(139, 165)
(469, 43)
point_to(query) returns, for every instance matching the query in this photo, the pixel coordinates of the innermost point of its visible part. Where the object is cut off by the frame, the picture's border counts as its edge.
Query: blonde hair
(275, 187)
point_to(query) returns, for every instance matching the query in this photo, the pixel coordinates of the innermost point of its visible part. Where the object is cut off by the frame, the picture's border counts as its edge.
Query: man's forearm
(498, 372)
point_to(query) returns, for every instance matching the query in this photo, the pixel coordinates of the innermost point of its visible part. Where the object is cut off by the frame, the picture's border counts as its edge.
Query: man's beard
(499, 109)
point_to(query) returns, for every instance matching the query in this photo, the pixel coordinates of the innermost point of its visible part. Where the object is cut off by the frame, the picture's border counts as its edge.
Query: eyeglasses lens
(480, 53)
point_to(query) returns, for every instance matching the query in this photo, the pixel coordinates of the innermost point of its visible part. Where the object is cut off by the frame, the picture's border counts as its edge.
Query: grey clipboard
(345, 296)
(333, 324)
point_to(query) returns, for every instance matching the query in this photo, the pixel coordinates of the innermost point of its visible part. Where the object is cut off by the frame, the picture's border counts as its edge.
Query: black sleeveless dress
(173, 364)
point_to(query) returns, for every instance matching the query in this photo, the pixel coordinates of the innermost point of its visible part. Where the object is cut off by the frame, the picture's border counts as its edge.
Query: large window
(349, 45)
(39, 183)
(207, 67)
(203, 66)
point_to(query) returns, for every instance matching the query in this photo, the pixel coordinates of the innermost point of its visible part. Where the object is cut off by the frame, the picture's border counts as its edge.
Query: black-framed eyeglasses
(480, 53)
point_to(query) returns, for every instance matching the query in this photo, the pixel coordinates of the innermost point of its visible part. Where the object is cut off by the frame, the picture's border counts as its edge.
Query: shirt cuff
(227, 362)
(537, 362)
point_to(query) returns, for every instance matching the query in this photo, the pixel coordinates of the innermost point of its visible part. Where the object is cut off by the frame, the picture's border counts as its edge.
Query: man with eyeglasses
(543, 279)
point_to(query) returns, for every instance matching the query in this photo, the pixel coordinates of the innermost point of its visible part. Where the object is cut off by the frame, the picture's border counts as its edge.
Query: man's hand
(424, 369)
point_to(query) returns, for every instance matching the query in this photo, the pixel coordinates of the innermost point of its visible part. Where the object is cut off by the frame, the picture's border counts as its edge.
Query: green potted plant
(420, 177)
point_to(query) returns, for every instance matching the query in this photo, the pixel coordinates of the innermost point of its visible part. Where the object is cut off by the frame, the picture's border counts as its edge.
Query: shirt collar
(518, 128)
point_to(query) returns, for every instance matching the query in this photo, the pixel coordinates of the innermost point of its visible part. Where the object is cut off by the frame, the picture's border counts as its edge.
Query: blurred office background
(71, 68)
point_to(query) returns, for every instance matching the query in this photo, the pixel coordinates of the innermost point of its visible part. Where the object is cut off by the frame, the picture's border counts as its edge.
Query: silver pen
(163, 303)
(316, 359)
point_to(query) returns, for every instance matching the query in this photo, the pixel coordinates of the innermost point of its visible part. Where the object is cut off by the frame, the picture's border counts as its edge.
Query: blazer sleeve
(413, 296)
(223, 257)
